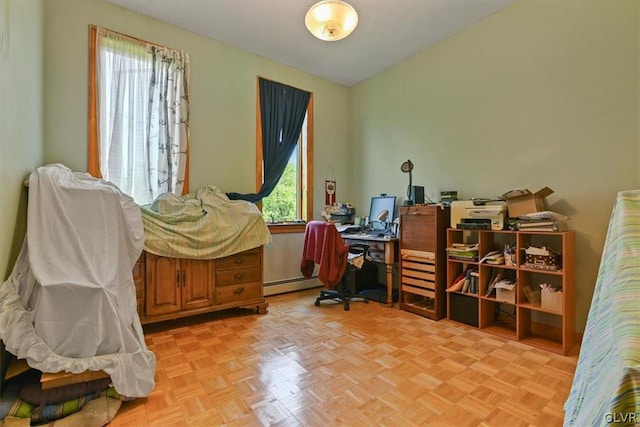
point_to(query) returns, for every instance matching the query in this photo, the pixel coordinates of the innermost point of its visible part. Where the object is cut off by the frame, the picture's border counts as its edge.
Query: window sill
(286, 227)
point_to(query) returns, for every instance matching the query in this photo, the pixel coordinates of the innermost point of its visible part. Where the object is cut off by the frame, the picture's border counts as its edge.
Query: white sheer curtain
(143, 110)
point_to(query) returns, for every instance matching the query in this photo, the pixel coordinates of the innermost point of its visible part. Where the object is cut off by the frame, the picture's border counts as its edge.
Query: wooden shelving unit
(520, 319)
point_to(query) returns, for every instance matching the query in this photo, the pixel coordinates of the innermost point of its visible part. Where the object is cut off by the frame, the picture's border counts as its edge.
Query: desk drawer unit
(419, 272)
(418, 280)
(422, 260)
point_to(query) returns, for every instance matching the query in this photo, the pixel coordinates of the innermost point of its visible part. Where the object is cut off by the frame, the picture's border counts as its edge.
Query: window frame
(305, 154)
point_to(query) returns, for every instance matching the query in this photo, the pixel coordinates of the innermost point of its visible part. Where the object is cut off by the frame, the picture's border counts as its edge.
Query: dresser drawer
(236, 276)
(244, 259)
(236, 293)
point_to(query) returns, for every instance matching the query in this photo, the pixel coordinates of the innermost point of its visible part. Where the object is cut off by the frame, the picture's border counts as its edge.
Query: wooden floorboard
(301, 365)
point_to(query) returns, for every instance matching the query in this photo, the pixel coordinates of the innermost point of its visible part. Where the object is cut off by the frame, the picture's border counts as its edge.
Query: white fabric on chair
(70, 304)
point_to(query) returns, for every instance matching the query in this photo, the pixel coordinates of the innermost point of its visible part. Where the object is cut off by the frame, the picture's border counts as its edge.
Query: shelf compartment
(542, 328)
(466, 294)
(490, 273)
(459, 261)
(498, 317)
(415, 303)
(541, 309)
(541, 271)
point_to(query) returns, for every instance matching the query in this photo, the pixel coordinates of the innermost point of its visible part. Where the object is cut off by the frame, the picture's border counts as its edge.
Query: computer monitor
(381, 212)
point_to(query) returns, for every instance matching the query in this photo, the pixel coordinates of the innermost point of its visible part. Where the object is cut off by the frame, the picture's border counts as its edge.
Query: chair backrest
(323, 245)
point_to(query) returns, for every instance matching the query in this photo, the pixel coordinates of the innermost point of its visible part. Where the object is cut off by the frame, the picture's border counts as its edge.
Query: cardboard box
(522, 202)
(551, 301)
(506, 295)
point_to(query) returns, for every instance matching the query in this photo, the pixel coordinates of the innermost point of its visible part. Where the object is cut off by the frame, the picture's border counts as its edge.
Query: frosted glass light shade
(331, 20)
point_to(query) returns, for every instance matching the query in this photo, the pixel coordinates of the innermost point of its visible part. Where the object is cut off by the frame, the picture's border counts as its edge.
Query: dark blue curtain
(282, 110)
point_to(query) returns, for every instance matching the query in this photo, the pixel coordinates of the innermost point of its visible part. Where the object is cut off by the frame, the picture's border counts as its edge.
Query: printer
(478, 214)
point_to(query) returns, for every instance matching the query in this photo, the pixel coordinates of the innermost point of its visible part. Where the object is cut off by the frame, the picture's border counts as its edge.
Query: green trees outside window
(281, 205)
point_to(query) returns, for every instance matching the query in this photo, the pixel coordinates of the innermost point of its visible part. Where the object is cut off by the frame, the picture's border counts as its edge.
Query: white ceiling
(388, 31)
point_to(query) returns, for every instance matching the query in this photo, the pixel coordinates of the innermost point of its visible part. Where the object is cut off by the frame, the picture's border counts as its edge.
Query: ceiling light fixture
(331, 20)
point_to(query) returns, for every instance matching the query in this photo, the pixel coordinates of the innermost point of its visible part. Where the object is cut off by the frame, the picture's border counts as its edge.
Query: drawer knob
(239, 276)
(239, 290)
(238, 260)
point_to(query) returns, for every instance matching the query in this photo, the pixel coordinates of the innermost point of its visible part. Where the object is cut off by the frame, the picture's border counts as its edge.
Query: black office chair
(338, 262)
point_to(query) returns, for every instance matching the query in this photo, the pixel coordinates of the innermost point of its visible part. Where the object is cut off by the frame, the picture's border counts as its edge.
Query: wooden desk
(382, 250)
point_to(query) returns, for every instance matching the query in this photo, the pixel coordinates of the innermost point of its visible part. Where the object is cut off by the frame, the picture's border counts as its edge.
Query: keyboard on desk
(367, 235)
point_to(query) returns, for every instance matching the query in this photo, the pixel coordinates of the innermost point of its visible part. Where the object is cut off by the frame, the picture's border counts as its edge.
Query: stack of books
(467, 282)
(542, 221)
(446, 197)
(463, 251)
(541, 225)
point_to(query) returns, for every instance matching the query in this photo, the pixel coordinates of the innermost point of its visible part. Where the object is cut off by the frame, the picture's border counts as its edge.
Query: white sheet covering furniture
(70, 304)
(606, 384)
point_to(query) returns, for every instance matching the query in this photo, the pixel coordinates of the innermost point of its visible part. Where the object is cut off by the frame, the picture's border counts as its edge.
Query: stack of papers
(542, 221)
(463, 251)
(543, 251)
(493, 257)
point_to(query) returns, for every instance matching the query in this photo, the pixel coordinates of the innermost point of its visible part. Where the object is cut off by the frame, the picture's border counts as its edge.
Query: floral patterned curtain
(143, 115)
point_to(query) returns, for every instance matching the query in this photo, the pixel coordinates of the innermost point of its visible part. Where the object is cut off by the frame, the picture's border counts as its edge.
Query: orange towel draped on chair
(324, 246)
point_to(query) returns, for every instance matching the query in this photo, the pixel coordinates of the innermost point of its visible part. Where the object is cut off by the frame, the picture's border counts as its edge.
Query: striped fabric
(204, 224)
(606, 385)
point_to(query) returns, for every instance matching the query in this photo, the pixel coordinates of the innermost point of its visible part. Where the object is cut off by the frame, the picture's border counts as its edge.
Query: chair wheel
(317, 303)
(346, 308)
(366, 301)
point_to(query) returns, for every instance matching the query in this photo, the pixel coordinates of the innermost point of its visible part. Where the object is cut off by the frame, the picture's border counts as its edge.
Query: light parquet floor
(301, 365)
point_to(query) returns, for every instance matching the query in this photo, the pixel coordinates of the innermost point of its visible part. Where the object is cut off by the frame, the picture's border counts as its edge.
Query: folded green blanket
(47, 413)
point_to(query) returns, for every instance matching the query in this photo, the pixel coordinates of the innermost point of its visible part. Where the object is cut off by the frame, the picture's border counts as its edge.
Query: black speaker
(417, 194)
(464, 309)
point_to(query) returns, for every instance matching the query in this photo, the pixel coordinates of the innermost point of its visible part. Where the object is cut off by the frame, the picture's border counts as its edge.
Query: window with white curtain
(139, 115)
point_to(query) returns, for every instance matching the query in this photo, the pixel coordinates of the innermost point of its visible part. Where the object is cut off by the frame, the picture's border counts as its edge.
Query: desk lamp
(383, 217)
(407, 167)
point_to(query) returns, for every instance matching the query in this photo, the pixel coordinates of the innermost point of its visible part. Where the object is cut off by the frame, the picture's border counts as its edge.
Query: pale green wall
(223, 97)
(541, 93)
(20, 117)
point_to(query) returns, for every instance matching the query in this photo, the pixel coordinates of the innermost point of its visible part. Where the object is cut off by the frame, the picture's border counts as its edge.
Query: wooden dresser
(170, 288)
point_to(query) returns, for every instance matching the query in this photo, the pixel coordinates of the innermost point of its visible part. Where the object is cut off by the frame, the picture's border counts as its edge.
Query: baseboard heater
(290, 285)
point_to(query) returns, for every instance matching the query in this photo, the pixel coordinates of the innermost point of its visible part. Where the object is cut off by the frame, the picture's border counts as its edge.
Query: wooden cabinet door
(163, 285)
(139, 282)
(197, 283)
(418, 228)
